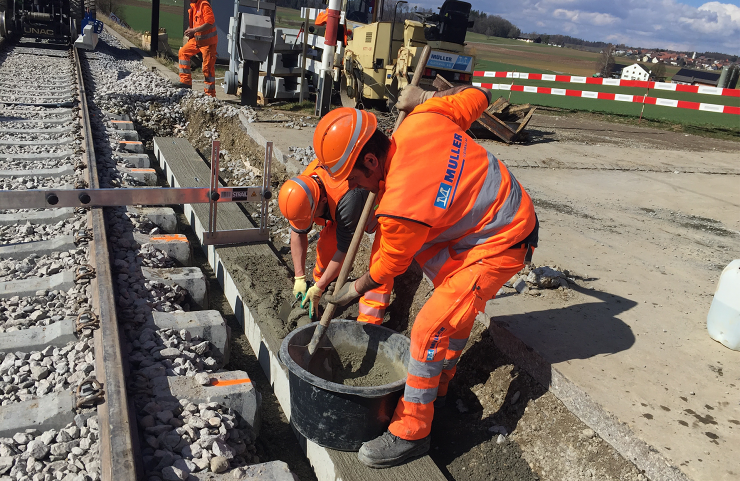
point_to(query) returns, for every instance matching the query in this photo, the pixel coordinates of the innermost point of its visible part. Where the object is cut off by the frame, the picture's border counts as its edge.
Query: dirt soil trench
(499, 423)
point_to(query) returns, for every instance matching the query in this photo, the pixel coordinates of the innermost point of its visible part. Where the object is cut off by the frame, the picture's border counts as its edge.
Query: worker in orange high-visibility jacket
(323, 17)
(449, 204)
(307, 199)
(202, 37)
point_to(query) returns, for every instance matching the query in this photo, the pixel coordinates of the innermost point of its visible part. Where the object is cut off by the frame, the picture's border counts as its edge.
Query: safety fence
(590, 94)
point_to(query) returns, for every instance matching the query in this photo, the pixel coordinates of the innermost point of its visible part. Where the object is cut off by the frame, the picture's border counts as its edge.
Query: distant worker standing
(452, 206)
(203, 38)
(307, 199)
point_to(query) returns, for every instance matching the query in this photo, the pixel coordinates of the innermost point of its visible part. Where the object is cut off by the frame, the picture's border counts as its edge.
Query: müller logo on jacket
(448, 186)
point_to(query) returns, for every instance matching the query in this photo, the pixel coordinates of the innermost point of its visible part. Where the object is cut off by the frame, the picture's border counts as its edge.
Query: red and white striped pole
(323, 97)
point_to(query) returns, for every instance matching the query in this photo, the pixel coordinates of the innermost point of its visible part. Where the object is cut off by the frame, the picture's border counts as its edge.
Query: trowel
(315, 359)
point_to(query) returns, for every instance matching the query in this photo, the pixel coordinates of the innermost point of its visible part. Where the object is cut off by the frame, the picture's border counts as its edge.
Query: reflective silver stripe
(377, 297)
(419, 396)
(457, 344)
(184, 70)
(355, 135)
(210, 79)
(450, 363)
(210, 88)
(305, 188)
(503, 217)
(425, 369)
(185, 62)
(206, 35)
(371, 311)
(432, 266)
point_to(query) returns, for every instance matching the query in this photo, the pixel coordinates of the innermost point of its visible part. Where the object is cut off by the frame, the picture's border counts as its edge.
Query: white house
(635, 72)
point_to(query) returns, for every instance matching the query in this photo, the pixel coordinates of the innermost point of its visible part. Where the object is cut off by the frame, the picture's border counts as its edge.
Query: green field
(140, 19)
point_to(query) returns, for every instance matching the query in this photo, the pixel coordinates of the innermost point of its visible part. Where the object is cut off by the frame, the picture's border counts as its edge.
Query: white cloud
(713, 26)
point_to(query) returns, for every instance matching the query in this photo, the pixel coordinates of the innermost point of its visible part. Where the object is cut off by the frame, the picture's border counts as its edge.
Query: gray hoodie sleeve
(349, 211)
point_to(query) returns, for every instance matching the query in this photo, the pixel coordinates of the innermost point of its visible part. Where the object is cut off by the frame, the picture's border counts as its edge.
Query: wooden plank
(525, 121)
(185, 168)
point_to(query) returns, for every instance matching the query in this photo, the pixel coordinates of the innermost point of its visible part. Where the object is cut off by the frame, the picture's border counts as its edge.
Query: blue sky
(693, 25)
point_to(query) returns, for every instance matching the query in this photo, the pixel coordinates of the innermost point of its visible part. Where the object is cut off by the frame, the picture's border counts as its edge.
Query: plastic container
(723, 320)
(334, 415)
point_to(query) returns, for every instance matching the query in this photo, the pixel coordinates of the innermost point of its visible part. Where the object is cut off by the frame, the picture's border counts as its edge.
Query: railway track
(111, 364)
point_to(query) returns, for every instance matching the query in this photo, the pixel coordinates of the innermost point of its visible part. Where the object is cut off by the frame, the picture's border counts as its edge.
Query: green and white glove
(411, 96)
(299, 287)
(311, 299)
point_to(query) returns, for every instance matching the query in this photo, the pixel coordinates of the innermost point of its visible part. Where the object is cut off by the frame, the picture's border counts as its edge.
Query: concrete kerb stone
(578, 402)
(41, 248)
(232, 389)
(208, 325)
(163, 217)
(272, 471)
(176, 246)
(38, 337)
(47, 216)
(292, 166)
(53, 411)
(145, 176)
(29, 287)
(190, 278)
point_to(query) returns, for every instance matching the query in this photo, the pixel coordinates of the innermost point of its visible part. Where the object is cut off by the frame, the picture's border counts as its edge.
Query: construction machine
(58, 20)
(380, 58)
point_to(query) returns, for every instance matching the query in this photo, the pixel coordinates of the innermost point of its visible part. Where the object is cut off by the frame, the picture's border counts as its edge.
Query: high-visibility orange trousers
(439, 334)
(373, 303)
(209, 65)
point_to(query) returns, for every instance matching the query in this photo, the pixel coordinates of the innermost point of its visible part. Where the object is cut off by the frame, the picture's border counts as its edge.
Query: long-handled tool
(319, 364)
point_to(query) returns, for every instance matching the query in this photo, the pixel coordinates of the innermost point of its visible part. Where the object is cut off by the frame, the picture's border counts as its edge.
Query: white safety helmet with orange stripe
(298, 199)
(339, 137)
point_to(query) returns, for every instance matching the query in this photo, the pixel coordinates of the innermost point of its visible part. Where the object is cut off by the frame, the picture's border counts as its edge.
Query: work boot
(181, 85)
(389, 450)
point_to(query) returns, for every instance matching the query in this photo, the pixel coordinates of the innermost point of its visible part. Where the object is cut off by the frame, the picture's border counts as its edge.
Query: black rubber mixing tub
(335, 415)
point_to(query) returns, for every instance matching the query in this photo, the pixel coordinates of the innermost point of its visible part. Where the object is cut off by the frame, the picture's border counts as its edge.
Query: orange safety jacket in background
(321, 20)
(201, 13)
(447, 210)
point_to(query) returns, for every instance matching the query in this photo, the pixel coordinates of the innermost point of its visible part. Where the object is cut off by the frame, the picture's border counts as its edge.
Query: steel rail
(117, 453)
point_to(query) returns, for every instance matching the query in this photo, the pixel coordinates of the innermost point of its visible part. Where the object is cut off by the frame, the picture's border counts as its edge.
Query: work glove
(311, 301)
(346, 294)
(299, 287)
(411, 96)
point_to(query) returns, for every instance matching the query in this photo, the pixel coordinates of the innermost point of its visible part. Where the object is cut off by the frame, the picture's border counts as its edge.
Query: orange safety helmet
(298, 200)
(339, 137)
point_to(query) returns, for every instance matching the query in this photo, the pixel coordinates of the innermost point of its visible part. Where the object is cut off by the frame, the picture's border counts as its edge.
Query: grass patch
(306, 108)
(140, 19)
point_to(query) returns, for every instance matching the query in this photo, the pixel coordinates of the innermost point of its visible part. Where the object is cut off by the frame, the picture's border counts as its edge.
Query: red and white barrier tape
(697, 89)
(681, 104)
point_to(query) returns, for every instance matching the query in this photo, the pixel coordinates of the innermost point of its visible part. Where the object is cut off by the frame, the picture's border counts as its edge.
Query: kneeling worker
(453, 207)
(312, 198)
(203, 38)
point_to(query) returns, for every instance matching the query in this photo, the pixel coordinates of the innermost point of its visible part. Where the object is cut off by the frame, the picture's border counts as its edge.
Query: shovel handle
(357, 236)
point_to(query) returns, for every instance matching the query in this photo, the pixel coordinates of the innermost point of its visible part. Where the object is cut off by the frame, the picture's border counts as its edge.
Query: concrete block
(139, 161)
(56, 172)
(54, 411)
(122, 124)
(163, 217)
(28, 287)
(233, 389)
(176, 246)
(133, 146)
(208, 325)
(520, 285)
(118, 117)
(46, 216)
(272, 471)
(37, 338)
(190, 278)
(124, 134)
(42, 248)
(145, 176)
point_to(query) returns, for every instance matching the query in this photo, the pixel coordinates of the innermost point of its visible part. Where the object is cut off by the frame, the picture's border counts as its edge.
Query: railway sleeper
(191, 279)
(163, 217)
(139, 161)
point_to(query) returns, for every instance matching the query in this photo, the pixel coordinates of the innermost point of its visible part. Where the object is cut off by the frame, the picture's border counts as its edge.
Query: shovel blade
(321, 364)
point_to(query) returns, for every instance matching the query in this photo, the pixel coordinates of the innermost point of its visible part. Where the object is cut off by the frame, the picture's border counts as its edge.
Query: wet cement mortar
(498, 423)
(351, 369)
